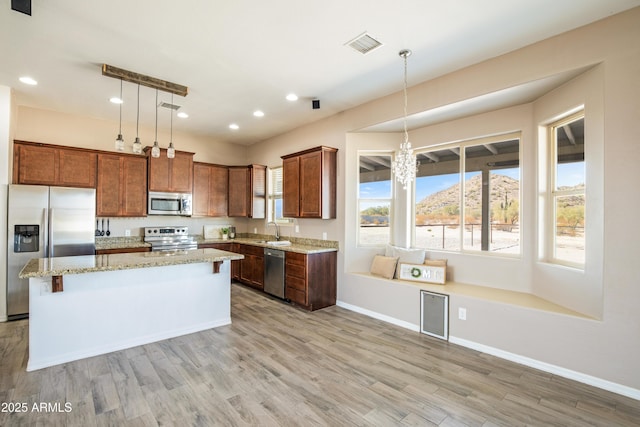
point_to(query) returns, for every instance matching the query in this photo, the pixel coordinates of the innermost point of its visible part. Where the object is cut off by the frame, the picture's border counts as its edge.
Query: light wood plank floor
(277, 365)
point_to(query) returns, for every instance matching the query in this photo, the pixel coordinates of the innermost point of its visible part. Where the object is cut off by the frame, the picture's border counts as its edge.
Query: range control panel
(166, 231)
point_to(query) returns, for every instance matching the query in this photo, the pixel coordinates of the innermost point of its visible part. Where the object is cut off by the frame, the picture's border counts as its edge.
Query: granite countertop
(299, 245)
(120, 243)
(303, 246)
(45, 267)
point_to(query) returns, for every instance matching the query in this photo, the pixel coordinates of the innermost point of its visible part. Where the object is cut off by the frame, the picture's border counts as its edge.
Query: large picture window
(568, 190)
(467, 196)
(375, 195)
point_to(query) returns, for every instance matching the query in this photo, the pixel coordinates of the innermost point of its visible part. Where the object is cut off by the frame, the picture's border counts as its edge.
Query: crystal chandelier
(404, 165)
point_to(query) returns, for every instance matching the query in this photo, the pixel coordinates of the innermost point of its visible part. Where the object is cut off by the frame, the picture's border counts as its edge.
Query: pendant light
(120, 139)
(155, 151)
(137, 145)
(404, 166)
(171, 151)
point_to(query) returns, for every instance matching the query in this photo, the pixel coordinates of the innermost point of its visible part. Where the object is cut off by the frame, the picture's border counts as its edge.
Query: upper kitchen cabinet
(210, 189)
(43, 164)
(170, 175)
(309, 183)
(122, 185)
(247, 191)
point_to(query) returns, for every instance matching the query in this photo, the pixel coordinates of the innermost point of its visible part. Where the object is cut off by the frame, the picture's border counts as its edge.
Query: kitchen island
(84, 306)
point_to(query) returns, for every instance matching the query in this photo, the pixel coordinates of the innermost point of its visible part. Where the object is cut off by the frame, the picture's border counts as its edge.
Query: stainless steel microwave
(169, 204)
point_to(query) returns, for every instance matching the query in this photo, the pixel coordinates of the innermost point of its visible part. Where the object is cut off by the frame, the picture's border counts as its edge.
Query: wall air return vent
(364, 43)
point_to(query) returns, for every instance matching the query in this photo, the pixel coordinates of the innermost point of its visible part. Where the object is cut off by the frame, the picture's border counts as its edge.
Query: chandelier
(404, 165)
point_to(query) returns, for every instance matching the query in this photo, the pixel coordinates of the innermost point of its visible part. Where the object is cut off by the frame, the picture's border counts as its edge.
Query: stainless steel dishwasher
(274, 272)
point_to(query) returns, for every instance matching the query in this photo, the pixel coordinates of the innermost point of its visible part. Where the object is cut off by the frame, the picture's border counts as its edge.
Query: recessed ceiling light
(182, 115)
(116, 100)
(234, 126)
(28, 81)
(258, 113)
(292, 97)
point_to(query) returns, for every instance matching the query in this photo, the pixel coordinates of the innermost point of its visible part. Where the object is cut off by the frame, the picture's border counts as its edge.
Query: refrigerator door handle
(50, 235)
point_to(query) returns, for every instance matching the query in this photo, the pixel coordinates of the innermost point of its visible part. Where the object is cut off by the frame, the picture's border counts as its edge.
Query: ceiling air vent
(169, 105)
(364, 43)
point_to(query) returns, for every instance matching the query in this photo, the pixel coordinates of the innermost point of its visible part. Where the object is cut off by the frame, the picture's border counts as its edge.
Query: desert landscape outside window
(467, 196)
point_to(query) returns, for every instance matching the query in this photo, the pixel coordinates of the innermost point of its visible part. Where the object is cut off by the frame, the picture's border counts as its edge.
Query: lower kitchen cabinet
(221, 246)
(311, 279)
(252, 266)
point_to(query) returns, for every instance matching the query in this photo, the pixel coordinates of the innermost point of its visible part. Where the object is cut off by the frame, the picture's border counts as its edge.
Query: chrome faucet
(277, 229)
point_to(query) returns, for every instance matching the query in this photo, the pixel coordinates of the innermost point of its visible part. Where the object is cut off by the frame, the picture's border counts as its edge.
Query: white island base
(101, 312)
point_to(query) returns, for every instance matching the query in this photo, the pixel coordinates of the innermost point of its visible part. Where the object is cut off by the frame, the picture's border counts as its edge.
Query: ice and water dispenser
(26, 238)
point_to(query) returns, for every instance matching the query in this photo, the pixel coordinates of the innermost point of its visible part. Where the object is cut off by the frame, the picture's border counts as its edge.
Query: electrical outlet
(462, 313)
(127, 233)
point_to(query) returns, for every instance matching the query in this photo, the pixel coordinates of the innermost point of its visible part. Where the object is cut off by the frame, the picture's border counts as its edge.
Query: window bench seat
(453, 289)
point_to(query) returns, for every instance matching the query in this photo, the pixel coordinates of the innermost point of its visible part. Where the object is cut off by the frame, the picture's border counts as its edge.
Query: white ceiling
(242, 55)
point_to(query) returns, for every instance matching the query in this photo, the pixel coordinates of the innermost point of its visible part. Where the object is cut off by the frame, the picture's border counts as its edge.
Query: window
(568, 190)
(275, 197)
(374, 199)
(467, 196)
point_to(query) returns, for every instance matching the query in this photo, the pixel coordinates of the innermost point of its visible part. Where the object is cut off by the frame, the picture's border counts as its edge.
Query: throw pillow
(406, 255)
(384, 266)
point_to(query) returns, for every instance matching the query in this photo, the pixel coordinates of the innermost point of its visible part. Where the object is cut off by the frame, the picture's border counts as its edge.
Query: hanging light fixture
(137, 145)
(155, 151)
(404, 166)
(120, 139)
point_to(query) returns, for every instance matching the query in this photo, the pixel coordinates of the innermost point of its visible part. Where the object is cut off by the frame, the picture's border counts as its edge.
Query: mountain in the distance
(500, 186)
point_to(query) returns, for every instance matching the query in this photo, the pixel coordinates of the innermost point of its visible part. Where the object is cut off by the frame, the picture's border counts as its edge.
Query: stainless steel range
(169, 239)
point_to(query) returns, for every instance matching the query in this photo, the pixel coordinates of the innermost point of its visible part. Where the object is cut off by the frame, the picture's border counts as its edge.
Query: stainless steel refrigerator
(45, 222)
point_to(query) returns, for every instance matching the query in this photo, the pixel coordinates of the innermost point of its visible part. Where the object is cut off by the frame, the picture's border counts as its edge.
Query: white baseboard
(379, 316)
(552, 369)
(526, 361)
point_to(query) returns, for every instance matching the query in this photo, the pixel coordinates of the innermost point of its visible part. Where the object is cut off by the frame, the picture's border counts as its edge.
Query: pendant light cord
(138, 112)
(405, 54)
(156, 116)
(120, 129)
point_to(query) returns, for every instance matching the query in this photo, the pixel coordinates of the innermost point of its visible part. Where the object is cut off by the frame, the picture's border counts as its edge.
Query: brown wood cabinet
(122, 185)
(247, 191)
(170, 175)
(210, 189)
(44, 164)
(309, 183)
(121, 250)
(311, 279)
(252, 266)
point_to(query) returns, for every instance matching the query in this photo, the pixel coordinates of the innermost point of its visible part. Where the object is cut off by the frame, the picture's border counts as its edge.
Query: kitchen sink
(274, 242)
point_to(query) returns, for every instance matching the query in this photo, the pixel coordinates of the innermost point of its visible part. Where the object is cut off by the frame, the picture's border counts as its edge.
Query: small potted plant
(225, 233)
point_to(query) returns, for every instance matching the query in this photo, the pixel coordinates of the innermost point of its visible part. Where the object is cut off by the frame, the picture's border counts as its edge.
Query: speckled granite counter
(299, 245)
(46, 267)
(103, 243)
